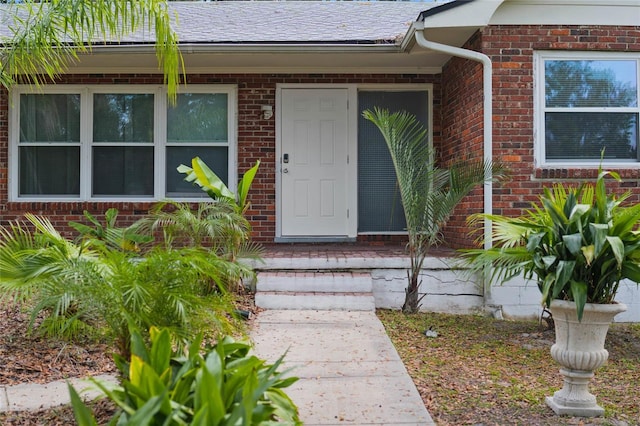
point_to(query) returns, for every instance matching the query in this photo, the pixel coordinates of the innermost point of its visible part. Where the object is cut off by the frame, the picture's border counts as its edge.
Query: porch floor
(341, 256)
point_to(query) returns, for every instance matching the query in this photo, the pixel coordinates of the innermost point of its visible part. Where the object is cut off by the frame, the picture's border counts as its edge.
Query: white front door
(314, 162)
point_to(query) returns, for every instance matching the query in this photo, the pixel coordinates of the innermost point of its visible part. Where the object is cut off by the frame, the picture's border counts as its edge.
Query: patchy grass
(484, 371)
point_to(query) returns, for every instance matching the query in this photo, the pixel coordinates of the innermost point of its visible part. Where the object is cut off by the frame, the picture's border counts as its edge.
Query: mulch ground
(26, 357)
(30, 358)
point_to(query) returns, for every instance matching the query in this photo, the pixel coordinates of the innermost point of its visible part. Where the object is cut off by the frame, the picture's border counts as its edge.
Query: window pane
(584, 135)
(591, 83)
(123, 118)
(379, 202)
(121, 171)
(198, 117)
(49, 170)
(215, 157)
(50, 118)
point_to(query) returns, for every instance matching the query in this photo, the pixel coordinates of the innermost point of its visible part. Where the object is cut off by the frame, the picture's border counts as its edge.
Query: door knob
(285, 170)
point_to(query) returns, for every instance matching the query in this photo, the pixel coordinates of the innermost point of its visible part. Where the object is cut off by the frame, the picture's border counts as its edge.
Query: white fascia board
(568, 12)
(264, 70)
(188, 48)
(475, 13)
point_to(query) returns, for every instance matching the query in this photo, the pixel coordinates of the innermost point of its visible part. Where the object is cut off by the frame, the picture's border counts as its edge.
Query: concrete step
(326, 290)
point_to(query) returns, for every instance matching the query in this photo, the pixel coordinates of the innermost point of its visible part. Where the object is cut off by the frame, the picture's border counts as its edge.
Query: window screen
(591, 106)
(197, 126)
(379, 202)
(49, 152)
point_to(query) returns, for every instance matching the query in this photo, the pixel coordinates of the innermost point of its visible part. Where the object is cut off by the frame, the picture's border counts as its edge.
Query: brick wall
(256, 141)
(458, 125)
(462, 133)
(511, 50)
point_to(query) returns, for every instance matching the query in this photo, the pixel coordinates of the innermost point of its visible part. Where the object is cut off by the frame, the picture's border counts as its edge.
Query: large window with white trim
(118, 142)
(587, 106)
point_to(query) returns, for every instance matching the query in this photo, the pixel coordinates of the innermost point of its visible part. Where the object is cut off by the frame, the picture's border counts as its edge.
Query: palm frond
(429, 194)
(48, 36)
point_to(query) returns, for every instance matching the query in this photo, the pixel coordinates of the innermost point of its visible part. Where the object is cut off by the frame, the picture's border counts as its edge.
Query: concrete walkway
(34, 396)
(350, 373)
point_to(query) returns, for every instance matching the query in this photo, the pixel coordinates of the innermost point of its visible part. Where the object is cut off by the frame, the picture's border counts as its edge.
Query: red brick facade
(256, 141)
(511, 50)
(457, 125)
(462, 133)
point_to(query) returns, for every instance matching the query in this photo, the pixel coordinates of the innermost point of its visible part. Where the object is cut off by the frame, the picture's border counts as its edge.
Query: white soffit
(453, 23)
(567, 12)
(476, 13)
(263, 60)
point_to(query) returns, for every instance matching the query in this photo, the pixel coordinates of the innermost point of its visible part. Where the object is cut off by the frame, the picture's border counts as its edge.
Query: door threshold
(337, 239)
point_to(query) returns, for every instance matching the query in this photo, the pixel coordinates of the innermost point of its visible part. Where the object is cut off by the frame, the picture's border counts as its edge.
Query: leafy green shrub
(93, 287)
(216, 225)
(578, 243)
(223, 386)
(126, 239)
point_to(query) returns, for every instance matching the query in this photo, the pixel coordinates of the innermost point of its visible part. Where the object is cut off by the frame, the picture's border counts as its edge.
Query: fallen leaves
(29, 358)
(481, 371)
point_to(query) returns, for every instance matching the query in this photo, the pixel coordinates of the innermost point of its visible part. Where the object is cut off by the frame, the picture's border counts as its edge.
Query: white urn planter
(579, 349)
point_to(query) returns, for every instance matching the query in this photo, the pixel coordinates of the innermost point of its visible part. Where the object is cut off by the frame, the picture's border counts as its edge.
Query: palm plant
(429, 194)
(217, 225)
(92, 287)
(126, 239)
(577, 242)
(47, 36)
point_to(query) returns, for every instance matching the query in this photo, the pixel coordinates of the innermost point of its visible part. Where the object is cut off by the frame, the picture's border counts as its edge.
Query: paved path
(350, 373)
(34, 396)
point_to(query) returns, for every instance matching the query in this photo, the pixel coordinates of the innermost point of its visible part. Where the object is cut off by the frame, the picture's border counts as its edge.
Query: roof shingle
(288, 21)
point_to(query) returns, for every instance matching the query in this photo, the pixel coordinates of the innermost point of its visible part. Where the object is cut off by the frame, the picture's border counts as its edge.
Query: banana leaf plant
(578, 243)
(200, 174)
(236, 238)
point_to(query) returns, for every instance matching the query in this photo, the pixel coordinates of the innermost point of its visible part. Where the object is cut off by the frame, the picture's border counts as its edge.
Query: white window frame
(540, 109)
(86, 136)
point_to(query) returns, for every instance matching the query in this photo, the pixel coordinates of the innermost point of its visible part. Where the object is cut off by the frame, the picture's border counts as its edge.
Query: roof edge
(441, 8)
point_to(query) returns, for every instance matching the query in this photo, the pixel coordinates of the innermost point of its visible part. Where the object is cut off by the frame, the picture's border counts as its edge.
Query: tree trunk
(412, 296)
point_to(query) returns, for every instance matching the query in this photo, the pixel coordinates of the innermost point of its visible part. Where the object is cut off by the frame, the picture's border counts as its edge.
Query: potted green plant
(578, 243)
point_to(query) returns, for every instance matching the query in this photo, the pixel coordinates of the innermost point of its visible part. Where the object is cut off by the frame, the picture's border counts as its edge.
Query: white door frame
(351, 185)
